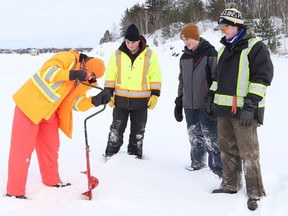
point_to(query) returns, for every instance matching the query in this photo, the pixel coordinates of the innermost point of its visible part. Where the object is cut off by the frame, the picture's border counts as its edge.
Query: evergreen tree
(137, 15)
(215, 8)
(107, 37)
(156, 9)
(266, 30)
(193, 12)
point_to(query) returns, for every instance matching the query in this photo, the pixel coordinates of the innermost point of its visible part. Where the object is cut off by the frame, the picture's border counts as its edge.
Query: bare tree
(283, 8)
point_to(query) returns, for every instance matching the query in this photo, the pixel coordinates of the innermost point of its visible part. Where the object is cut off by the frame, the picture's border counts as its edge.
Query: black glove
(178, 109)
(77, 74)
(93, 80)
(103, 97)
(247, 113)
(210, 106)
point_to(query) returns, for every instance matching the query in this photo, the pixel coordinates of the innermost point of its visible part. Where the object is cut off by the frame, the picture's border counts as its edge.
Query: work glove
(152, 101)
(112, 102)
(247, 113)
(102, 98)
(210, 106)
(77, 75)
(93, 80)
(178, 110)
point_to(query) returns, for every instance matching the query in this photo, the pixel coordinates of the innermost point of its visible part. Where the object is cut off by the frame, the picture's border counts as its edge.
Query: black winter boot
(252, 204)
(61, 184)
(18, 197)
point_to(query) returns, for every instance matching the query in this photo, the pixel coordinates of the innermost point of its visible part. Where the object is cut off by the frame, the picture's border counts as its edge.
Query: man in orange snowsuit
(43, 105)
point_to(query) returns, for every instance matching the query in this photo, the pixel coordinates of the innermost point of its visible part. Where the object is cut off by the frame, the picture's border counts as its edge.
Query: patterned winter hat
(230, 16)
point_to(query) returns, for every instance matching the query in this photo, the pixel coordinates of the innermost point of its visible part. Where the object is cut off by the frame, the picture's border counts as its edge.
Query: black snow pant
(138, 119)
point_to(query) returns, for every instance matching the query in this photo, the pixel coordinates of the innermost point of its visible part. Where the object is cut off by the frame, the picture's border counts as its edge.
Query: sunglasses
(224, 28)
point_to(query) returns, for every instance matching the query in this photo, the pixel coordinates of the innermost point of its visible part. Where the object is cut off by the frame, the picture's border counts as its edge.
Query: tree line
(268, 18)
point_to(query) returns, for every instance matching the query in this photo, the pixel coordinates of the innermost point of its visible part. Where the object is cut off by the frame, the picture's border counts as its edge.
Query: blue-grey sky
(59, 23)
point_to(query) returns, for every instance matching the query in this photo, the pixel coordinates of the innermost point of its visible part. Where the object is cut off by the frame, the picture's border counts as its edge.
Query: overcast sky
(59, 23)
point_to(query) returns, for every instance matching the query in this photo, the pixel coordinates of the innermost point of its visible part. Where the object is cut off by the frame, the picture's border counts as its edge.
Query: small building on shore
(34, 52)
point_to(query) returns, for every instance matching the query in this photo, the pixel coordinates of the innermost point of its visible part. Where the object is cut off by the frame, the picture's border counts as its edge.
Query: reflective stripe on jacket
(76, 100)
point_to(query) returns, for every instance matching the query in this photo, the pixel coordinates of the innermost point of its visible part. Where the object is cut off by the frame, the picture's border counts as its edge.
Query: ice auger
(92, 180)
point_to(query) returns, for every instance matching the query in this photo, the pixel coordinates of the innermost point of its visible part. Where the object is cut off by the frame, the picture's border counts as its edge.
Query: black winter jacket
(261, 71)
(197, 70)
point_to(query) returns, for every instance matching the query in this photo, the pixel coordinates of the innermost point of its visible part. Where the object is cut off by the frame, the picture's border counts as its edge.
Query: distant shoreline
(42, 50)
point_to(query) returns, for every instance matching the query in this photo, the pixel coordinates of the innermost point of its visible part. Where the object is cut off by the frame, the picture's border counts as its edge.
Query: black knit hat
(230, 16)
(132, 33)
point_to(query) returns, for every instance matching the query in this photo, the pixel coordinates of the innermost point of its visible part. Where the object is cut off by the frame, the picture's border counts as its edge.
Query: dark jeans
(138, 119)
(202, 132)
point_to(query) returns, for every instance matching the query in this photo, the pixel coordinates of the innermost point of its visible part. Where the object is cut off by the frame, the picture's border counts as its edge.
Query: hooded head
(230, 16)
(132, 33)
(190, 31)
(95, 65)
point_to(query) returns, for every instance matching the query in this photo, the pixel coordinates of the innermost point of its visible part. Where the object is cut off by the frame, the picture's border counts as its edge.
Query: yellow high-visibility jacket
(135, 80)
(50, 90)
